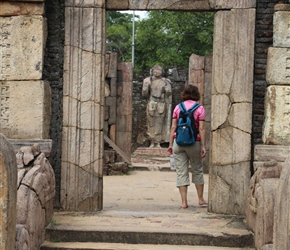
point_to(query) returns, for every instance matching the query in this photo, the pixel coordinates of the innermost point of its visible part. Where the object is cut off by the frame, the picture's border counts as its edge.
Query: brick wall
(53, 73)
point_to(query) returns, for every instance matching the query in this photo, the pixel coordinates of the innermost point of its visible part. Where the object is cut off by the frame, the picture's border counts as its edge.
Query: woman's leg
(182, 175)
(199, 190)
(183, 194)
(197, 171)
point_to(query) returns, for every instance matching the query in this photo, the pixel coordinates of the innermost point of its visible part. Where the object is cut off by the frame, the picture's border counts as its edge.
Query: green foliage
(119, 34)
(165, 38)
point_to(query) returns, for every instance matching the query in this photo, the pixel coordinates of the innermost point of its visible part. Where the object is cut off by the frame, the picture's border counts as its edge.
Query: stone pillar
(83, 106)
(232, 86)
(8, 196)
(124, 108)
(200, 75)
(25, 100)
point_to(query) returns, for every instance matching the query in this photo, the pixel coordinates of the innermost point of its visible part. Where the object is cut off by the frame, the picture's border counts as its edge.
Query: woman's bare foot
(202, 202)
(184, 206)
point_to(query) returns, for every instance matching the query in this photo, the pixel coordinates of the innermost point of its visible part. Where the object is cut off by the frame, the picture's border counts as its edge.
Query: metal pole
(133, 40)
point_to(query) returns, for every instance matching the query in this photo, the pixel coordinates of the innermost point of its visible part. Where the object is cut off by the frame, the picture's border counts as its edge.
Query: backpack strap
(182, 108)
(191, 116)
(194, 107)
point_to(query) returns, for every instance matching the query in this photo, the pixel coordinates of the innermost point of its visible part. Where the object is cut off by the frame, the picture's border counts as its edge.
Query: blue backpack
(186, 131)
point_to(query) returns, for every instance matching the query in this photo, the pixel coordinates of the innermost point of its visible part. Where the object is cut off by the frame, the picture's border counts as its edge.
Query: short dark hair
(190, 92)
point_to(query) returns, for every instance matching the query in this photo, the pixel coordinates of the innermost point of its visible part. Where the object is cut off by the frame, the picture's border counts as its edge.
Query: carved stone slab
(278, 66)
(281, 29)
(8, 196)
(25, 109)
(277, 115)
(22, 39)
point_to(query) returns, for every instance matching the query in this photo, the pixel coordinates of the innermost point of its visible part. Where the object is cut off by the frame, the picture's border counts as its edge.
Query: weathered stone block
(207, 89)
(113, 86)
(23, 40)
(223, 140)
(277, 115)
(277, 153)
(125, 72)
(240, 116)
(25, 109)
(281, 30)
(87, 30)
(228, 190)
(15, 9)
(196, 62)
(113, 64)
(232, 67)
(222, 105)
(278, 66)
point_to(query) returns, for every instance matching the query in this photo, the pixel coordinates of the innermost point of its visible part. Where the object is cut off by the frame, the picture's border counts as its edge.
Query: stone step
(115, 246)
(131, 227)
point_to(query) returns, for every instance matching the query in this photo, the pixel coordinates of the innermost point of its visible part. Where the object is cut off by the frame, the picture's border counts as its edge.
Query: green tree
(169, 38)
(119, 34)
(165, 38)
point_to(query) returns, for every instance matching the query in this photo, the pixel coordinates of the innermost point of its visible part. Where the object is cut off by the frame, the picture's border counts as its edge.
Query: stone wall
(54, 56)
(263, 40)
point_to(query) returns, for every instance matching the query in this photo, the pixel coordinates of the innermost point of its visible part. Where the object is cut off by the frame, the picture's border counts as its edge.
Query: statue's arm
(146, 87)
(167, 90)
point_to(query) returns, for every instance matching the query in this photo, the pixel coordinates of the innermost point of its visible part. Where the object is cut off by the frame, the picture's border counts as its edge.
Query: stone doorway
(233, 56)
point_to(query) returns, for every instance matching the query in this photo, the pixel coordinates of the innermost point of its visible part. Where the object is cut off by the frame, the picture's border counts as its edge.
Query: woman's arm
(172, 131)
(202, 138)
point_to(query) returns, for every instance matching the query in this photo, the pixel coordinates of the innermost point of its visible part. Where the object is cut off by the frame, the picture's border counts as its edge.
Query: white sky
(142, 14)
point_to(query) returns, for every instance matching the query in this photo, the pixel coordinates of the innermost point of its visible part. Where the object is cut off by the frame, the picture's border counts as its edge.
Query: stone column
(8, 194)
(232, 86)
(124, 108)
(83, 107)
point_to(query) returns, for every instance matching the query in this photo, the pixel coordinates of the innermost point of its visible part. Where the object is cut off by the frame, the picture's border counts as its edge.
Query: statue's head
(157, 71)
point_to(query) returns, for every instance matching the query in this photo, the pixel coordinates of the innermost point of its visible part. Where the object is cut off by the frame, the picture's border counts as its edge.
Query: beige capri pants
(183, 154)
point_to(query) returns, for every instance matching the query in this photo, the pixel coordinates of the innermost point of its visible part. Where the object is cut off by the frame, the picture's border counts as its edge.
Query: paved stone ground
(143, 203)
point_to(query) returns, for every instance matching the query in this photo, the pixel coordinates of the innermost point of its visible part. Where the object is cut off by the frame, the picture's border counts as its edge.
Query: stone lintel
(85, 4)
(232, 4)
(157, 5)
(17, 9)
(45, 145)
(277, 153)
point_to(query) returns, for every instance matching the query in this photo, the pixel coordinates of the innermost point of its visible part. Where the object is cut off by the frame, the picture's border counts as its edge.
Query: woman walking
(190, 153)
